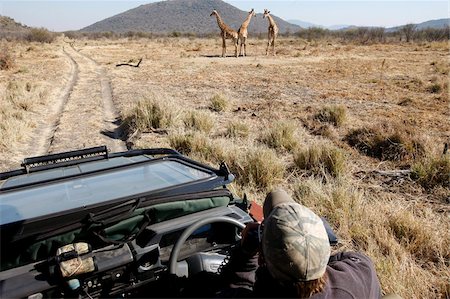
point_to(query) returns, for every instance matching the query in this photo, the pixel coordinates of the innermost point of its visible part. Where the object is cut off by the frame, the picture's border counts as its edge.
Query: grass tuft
(237, 130)
(218, 103)
(336, 115)
(398, 145)
(6, 59)
(321, 160)
(280, 136)
(148, 114)
(199, 121)
(432, 172)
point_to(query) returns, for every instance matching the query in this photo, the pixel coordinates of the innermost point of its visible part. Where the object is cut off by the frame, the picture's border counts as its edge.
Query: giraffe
(226, 32)
(273, 31)
(243, 33)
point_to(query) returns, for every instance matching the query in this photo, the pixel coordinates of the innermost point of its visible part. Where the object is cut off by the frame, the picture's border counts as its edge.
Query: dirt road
(85, 115)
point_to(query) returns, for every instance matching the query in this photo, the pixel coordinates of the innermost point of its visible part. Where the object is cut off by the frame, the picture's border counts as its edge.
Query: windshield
(64, 195)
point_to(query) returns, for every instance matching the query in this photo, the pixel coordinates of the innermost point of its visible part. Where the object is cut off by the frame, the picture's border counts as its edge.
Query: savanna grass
(147, 114)
(336, 115)
(280, 136)
(433, 171)
(199, 121)
(321, 160)
(218, 103)
(392, 145)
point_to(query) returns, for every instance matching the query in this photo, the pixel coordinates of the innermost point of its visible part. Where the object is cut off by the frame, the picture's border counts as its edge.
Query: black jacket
(350, 275)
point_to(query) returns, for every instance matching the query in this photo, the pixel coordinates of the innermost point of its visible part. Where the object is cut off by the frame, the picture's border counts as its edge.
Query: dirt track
(84, 115)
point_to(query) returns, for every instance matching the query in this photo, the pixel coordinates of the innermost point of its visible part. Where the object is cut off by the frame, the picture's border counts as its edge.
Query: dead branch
(129, 64)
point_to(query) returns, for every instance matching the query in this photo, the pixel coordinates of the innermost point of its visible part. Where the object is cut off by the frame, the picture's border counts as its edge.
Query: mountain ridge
(184, 16)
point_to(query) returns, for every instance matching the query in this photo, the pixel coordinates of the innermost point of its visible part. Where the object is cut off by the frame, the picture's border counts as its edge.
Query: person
(291, 258)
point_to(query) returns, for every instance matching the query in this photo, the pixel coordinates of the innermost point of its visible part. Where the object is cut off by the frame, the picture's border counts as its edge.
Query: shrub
(432, 172)
(218, 103)
(393, 146)
(40, 35)
(321, 160)
(6, 59)
(199, 121)
(280, 136)
(333, 114)
(236, 130)
(146, 116)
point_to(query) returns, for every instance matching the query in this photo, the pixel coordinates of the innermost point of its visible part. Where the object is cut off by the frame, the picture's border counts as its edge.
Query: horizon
(75, 15)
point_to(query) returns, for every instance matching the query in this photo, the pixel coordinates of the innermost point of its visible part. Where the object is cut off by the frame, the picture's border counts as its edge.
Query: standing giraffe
(226, 32)
(243, 33)
(273, 31)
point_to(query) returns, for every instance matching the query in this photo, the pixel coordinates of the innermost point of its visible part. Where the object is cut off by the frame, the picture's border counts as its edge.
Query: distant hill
(184, 16)
(11, 29)
(304, 24)
(436, 24)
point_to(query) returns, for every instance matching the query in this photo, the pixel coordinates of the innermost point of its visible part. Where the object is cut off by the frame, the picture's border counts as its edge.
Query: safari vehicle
(90, 223)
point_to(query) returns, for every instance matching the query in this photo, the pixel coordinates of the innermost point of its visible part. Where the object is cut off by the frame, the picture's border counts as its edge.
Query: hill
(185, 16)
(9, 28)
(435, 24)
(304, 24)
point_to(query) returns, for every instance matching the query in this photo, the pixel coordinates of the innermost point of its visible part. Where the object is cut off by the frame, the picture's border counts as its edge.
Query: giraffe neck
(271, 21)
(220, 22)
(247, 21)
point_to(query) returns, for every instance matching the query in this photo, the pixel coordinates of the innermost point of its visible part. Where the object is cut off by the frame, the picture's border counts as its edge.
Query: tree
(409, 30)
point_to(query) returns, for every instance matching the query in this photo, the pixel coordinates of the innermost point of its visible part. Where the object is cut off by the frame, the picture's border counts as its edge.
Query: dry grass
(147, 115)
(6, 59)
(237, 130)
(280, 136)
(396, 144)
(219, 103)
(199, 120)
(321, 160)
(433, 171)
(402, 225)
(336, 115)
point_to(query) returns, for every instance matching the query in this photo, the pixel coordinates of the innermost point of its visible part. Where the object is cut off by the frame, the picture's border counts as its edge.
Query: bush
(432, 172)
(321, 160)
(333, 114)
(40, 35)
(199, 121)
(6, 60)
(393, 146)
(280, 136)
(218, 103)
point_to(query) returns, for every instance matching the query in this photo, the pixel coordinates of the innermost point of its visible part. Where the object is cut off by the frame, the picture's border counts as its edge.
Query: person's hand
(250, 238)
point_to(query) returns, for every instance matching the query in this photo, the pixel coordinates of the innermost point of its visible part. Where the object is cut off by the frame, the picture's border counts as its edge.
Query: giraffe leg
(273, 47)
(240, 47)
(245, 46)
(235, 47)
(268, 45)
(224, 47)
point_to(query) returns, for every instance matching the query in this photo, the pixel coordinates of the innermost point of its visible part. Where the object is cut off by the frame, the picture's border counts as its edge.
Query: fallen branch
(391, 173)
(129, 64)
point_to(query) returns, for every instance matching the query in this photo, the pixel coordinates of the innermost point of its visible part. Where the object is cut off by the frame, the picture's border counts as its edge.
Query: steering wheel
(192, 228)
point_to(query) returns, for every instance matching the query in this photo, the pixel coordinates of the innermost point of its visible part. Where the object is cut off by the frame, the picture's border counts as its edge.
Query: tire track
(88, 117)
(46, 128)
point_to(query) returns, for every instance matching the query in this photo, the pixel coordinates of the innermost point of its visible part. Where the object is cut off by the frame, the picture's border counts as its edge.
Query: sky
(60, 15)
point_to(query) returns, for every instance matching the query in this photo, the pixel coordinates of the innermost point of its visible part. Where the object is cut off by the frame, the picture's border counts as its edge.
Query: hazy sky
(73, 15)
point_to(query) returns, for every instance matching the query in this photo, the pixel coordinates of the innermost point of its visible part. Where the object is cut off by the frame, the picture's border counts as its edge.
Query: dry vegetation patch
(394, 144)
